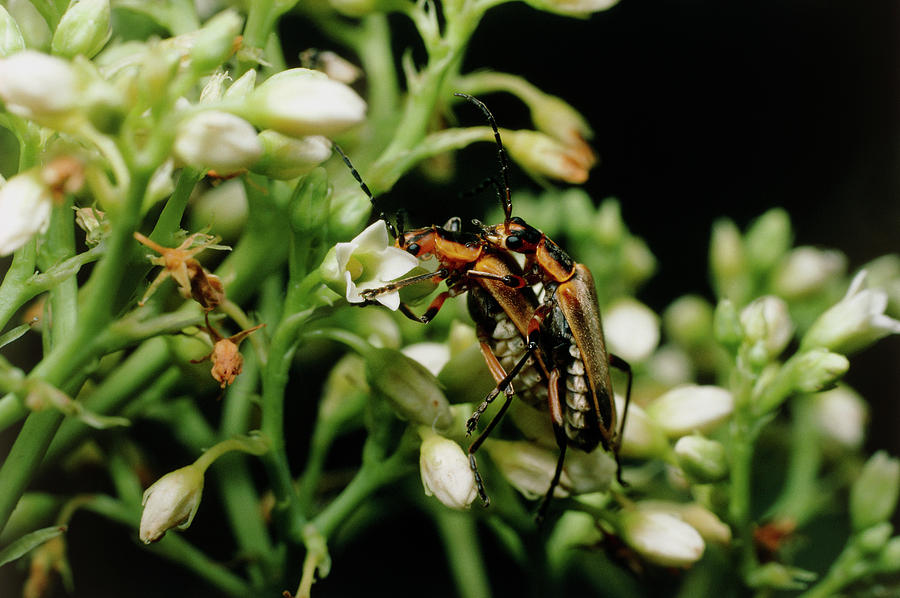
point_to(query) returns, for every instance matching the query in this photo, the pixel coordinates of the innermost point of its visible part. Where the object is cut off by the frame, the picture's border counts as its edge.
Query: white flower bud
(642, 437)
(687, 409)
(767, 323)
(219, 141)
(34, 28)
(242, 87)
(25, 206)
(434, 356)
(574, 8)
(527, 466)
(855, 322)
(710, 527)
(83, 29)
(287, 158)
(873, 496)
(171, 502)
(367, 262)
(807, 270)
(662, 538)
(37, 86)
(841, 415)
(703, 460)
(11, 40)
(728, 261)
(301, 102)
(631, 329)
(543, 155)
(446, 473)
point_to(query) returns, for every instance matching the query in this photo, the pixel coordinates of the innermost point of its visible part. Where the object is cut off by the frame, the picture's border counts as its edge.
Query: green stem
(458, 532)
(170, 218)
(74, 353)
(370, 477)
(12, 296)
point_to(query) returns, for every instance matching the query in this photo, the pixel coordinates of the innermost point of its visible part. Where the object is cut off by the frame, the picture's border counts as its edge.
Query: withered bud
(227, 361)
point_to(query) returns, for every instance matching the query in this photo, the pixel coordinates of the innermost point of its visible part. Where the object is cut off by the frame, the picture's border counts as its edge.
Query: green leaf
(29, 542)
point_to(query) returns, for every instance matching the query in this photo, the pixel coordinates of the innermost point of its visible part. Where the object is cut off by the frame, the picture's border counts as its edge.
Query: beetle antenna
(365, 188)
(504, 195)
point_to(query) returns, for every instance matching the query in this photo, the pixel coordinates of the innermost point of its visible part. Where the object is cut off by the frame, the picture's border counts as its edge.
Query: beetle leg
(622, 365)
(502, 386)
(511, 280)
(436, 276)
(556, 413)
(430, 313)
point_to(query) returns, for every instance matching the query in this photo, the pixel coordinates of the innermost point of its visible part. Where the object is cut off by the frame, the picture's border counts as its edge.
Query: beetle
(566, 329)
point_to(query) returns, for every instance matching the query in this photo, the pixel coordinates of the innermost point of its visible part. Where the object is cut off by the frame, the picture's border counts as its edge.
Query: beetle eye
(513, 242)
(413, 248)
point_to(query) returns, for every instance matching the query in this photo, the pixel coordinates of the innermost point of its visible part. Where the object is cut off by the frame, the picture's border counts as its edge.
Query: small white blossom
(83, 29)
(218, 141)
(691, 408)
(446, 473)
(171, 502)
(856, 321)
(662, 538)
(25, 206)
(301, 102)
(367, 262)
(37, 86)
(631, 329)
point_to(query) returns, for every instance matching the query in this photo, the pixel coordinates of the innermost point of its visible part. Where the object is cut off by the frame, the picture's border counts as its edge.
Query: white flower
(690, 408)
(767, 323)
(446, 473)
(662, 538)
(631, 329)
(806, 270)
(367, 262)
(856, 321)
(218, 141)
(37, 86)
(25, 206)
(171, 502)
(301, 102)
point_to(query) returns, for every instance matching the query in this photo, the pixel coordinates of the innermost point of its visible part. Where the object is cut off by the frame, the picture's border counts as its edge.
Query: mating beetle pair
(553, 348)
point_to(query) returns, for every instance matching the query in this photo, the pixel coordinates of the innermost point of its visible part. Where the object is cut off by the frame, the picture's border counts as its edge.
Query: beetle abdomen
(507, 344)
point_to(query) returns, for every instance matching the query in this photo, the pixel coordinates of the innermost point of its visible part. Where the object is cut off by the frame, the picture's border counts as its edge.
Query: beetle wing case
(577, 298)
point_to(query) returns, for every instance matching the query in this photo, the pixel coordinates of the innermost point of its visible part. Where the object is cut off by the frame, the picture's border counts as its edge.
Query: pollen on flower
(64, 174)
(226, 358)
(194, 282)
